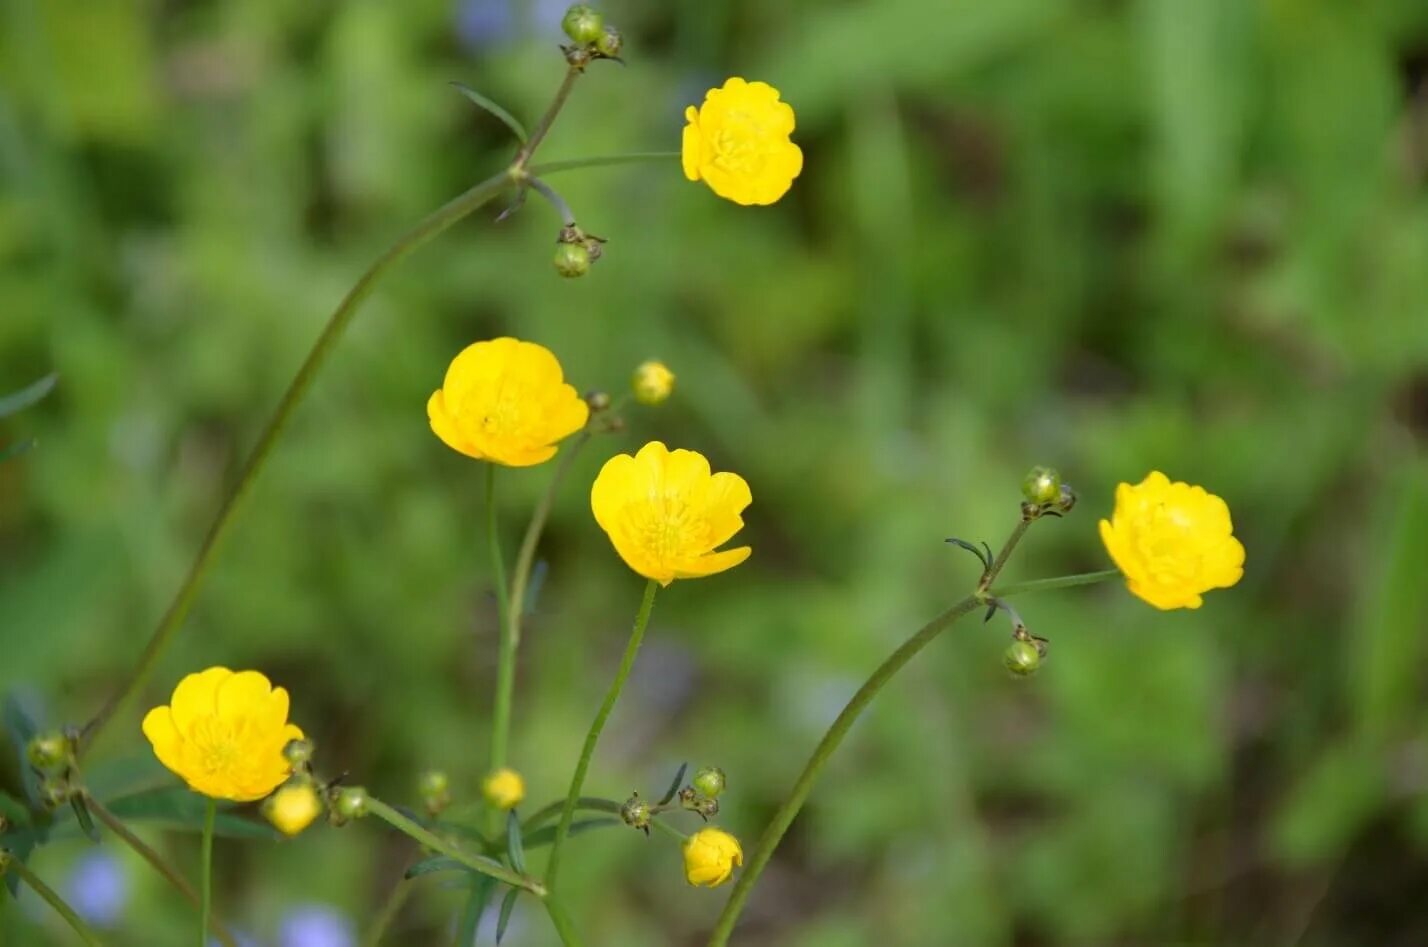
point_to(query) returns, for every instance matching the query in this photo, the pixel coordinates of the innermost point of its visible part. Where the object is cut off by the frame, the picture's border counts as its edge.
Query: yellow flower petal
(196, 696)
(738, 143)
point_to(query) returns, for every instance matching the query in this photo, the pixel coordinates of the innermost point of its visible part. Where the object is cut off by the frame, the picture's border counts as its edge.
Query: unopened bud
(653, 382)
(50, 751)
(637, 813)
(54, 792)
(298, 753)
(572, 260)
(583, 25)
(1067, 500)
(349, 803)
(1042, 486)
(695, 801)
(1022, 658)
(435, 790)
(504, 789)
(709, 780)
(610, 43)
(293, 807)
(597, 400)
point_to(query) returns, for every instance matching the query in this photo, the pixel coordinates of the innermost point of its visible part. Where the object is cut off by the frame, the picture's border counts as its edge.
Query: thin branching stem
(52, 898)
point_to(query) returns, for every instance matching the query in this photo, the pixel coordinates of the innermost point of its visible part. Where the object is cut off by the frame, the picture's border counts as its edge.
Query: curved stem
(600, 161)
(435, 223)
(51, 898)
(587, 803)
(548, 119)
(577, 782)
(156, 861)
(506, 662)
(434, 842)
(787, 812)
(391, 907)
(1060, 582)
(998, 564)
(205, 910)
(562, 208)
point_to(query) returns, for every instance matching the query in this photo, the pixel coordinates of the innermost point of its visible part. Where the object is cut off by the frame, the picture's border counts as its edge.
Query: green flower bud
(298, 753)
(54, 792)
(1022, 658)
(1067, 500)
(50, 751)
(695, 801)
(583, 25)
(610, 43)
(349, 803)
(435, 790)
(637, 813)
(709, 780)
(1041, 486)
(597, 400)
(572, 260)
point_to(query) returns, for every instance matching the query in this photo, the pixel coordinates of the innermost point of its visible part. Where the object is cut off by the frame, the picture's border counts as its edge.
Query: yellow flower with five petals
(506, 401)
(223, 733)
(1173, 541)
(666, 514)
(738, 143)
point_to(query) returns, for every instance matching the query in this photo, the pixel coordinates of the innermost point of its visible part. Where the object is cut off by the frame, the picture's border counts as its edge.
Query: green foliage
(1109, 237)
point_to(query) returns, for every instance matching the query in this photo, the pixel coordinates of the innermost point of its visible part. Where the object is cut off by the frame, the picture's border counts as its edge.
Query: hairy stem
(787, 812)
(205, 910)
(156, 861)
(51, 897)
(434, 224)
(577, 782)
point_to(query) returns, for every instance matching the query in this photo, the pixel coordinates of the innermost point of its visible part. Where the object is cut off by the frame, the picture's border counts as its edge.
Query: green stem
(156, 861)
(564, 926)
(1060, 582)
(51, 898)
(577, 782)
(523, 156)
(600, 161)
(434, 842)
(787, 812)
(594, 804)
(506, 661)
(1000, 562)
(435, 223)
(205, 910)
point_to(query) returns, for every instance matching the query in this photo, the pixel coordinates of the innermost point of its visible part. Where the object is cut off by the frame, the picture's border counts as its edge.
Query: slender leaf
(545, 835)
(507, 906)
(178, 808)
(436, 863)
(482, 102)
(83, 818)
(482, 886)
(27, 396)
(674, 786)
(514, 850)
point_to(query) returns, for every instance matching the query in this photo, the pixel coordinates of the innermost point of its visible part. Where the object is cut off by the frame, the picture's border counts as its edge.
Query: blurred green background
(1114, 236)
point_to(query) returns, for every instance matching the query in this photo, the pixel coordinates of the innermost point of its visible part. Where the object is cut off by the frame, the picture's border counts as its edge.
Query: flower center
(736, 144)
(219, 744)
(1165, 541)
(667, 528)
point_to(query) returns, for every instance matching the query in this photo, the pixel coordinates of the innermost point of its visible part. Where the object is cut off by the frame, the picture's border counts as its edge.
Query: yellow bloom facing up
(738, 143)
(710, 857)
(1173, 541)
(665, 513)
(653, 382)
(293, 807)
(223, 733)
(504, 789)
(506, 401)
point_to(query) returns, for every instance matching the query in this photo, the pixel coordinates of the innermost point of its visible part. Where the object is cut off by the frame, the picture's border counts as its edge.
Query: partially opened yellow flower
(710, 857)
(293, 807)
(738, 143)
(666, 514)
(223, 733)
(506, 401)
(1173, 541)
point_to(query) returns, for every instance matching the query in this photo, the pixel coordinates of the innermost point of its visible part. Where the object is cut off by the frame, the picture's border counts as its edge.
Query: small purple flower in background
(483, 23)
(98, 888)
(316, 925)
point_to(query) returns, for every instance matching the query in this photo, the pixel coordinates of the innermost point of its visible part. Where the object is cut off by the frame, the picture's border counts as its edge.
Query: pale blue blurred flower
(316, 925)
(98, 888)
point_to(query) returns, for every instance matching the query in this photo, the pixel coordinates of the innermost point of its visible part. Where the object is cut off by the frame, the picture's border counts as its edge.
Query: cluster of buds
(590, 37)
(52, 756)
(700, 795)
(1045, 494)
(575, 251)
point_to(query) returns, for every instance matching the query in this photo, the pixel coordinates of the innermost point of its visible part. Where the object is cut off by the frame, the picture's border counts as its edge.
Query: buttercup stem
(506, 661)
(595, 804)
(53, 899)
(787, 812)
(999, 563)
(205, 909)
(1060, 582)
(434, 842)
(156, 861)
(435, 223)
(567, 215)
(600, 161)
(564, 926)
(538, 133)
(577, 782)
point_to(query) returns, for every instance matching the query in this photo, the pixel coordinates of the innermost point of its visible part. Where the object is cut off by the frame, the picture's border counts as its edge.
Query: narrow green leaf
(545, 835)
(27, 396)
(482, 102)
(433, 864)
(82, 816)
(482, 887)
(507, 906)
(514, 849)
(178, 808)
(674, 786)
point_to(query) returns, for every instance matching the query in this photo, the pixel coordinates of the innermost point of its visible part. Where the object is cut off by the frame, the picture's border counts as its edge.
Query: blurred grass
(1111, 236)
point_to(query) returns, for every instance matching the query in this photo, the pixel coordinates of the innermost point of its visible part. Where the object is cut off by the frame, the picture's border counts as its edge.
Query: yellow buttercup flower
(504, 789)
(223, 733)
(506, 401)
(653, 382)
(1173, 541)
(666, 513)
(710, 857)
(293, 807)
(738, 143)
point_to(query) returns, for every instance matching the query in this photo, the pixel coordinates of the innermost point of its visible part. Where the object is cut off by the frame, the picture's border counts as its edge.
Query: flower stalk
(1059, 582)
(205, 910)
(50, 897)
(434, 842)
